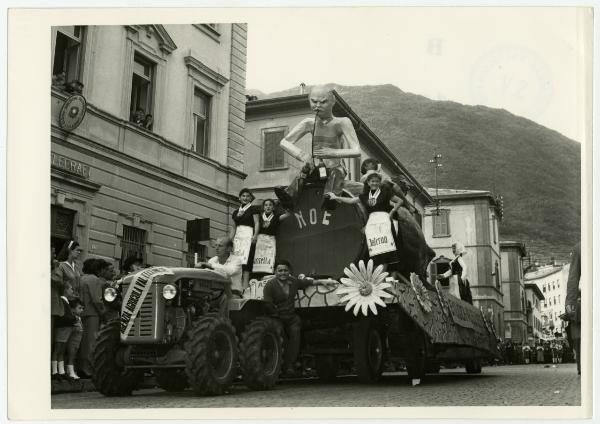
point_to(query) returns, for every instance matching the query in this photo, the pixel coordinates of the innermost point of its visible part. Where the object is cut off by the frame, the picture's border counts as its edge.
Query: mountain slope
(536, 169)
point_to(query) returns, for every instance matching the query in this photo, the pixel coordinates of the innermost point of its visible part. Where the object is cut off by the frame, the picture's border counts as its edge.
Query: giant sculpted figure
(333, 139)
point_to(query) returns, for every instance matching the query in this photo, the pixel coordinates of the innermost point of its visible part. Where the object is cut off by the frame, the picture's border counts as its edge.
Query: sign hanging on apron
(264, 255)
(242, 242)
(378, 232)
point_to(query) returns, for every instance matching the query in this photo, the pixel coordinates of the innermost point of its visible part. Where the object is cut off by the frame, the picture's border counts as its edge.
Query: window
(554, 298)
(559, 299)
(194, 248)
(497, 274)
(61, 226)
(544, 289)
(67, 55)
(142, 90)
(212, 30)
(273, 156)
(494, 228)
(200, 112)
(441, 224)
(133, 244)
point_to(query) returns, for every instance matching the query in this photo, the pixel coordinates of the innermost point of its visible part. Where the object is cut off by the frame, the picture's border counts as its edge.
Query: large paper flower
(364, 288)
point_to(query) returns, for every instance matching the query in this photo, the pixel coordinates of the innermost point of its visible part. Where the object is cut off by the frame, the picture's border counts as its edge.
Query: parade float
(371, 316)
(178, 323)
(183, 324)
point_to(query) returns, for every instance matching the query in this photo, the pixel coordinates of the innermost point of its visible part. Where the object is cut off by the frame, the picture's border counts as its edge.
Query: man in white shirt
(226, 264)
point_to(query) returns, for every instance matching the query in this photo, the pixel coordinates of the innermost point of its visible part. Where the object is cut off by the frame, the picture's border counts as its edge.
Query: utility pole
(436, 164)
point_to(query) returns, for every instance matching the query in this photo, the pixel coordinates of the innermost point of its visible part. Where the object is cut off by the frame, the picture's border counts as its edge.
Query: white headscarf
(460, 248)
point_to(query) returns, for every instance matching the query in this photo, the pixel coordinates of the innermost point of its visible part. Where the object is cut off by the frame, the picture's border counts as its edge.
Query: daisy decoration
(364, 288)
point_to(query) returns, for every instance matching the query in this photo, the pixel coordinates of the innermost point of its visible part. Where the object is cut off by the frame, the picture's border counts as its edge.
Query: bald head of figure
(321, 101)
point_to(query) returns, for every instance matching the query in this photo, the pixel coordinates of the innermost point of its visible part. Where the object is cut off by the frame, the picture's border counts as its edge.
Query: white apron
(242, 241)
(264, 254)
(378, 233)
(453, 288)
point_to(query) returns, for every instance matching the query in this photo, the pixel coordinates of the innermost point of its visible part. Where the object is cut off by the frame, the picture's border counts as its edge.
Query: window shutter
(272, 153)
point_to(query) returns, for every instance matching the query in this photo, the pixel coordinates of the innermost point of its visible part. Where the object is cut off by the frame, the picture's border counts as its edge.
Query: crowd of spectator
(78, 309)
(553, 351)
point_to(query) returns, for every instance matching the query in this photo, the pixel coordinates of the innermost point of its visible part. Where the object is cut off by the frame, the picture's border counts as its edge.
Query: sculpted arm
(287, 144)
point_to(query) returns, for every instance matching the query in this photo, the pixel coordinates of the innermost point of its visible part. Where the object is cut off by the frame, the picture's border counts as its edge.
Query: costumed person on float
(412, 246)
(372, 165)
(245, 231)
(380, 205)
(330, 134)
(266, 248)
(459, 284)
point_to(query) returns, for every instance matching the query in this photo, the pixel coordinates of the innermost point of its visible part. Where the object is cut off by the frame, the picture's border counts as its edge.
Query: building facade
(534, 299)
(268, 121)
(552, 282)
(470, 217)
(161, 141)
(515, 306)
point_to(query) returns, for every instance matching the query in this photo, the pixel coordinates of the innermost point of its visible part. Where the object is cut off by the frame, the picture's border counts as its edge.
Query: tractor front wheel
(110, 377)
(212, 355)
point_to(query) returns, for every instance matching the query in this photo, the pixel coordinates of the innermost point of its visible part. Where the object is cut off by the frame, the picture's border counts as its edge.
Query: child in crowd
(75, 337)
(64, 326)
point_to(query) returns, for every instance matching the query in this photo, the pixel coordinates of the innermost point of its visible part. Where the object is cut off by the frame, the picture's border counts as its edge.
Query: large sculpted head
(321, 101)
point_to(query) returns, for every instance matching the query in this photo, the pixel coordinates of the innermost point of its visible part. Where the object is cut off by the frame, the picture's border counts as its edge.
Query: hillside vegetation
(536, 169)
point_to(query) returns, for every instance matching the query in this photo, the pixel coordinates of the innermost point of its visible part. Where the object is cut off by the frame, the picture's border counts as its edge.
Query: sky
(529, 61)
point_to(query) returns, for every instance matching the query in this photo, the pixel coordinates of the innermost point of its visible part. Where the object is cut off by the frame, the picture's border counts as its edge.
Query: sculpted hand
(325, 152)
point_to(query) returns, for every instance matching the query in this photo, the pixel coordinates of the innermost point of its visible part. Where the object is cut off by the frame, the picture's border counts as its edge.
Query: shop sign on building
(71, 166)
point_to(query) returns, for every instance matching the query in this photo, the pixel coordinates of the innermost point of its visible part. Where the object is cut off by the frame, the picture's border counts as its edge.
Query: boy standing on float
(330, 134)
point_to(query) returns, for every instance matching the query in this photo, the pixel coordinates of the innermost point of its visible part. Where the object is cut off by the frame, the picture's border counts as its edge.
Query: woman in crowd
(459, 285)
(245, 231)
(539, 349)
(269, 222)
(380, 204)
(68, 270)
(91, 287)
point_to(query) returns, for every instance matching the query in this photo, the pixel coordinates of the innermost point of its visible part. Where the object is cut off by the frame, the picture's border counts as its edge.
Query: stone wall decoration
(72, 112)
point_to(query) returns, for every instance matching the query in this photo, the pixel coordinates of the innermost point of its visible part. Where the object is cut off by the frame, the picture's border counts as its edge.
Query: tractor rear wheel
(261, 353)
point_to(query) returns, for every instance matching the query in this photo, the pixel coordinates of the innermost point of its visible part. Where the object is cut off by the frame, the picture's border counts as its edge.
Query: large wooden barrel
(320, 242)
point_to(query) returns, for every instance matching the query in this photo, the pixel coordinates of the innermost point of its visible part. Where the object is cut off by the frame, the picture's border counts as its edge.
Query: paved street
(516, 385)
